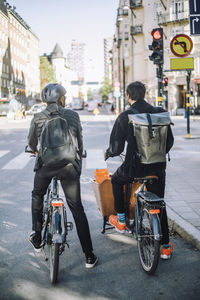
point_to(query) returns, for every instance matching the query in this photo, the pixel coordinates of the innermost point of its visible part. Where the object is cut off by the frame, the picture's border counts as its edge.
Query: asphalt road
(118, 275)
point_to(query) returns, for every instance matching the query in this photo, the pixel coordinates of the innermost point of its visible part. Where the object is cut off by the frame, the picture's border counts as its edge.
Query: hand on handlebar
(106, 156)
(28, 150)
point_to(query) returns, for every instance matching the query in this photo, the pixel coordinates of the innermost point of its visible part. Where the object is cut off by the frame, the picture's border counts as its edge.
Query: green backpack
(150, 131)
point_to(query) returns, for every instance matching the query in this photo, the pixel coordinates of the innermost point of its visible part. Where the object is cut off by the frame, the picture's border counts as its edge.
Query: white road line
(95, 159)
(17, 163)
(3, 152)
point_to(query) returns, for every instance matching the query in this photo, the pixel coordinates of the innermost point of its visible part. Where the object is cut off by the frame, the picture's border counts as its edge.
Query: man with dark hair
(69, 174)
(131, 168)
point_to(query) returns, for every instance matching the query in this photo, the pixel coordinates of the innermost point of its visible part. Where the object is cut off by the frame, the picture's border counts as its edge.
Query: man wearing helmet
(54, 96)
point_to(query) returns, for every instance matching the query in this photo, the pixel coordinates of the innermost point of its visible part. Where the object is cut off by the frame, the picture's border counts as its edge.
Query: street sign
(181, 45)
(194, 7)
(186, 63)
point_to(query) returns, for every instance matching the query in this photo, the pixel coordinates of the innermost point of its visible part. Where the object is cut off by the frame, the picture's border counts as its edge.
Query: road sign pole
(188, 102)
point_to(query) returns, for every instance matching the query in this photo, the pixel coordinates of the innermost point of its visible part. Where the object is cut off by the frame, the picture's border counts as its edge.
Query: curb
(186, 230)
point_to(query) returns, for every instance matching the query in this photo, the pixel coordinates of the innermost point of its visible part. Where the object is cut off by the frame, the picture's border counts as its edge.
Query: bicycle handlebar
(28, 150)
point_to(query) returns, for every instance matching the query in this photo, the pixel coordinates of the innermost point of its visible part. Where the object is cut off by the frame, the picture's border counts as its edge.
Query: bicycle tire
(54, 261)
(148, 246)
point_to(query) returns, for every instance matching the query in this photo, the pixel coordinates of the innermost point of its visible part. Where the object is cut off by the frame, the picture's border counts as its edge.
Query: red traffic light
(165, 81)
(156, 34)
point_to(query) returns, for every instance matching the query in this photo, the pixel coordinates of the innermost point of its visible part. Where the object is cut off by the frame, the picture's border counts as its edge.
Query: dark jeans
(71, 186)
(157, 187)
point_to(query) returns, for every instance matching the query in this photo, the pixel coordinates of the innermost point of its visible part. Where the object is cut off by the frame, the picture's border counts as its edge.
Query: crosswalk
(94, 160)
(17, 163)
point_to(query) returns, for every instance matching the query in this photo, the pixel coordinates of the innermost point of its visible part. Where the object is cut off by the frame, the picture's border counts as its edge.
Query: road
(25, 274)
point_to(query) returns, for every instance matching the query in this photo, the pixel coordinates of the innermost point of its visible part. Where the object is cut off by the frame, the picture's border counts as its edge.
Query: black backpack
(150, 131)
(57, 145)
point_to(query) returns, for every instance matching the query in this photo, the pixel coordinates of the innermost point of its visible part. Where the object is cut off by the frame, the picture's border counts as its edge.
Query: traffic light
(157, 46)
(165, 81)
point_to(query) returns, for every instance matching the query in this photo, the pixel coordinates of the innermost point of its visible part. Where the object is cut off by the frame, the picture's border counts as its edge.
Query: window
(177, 9)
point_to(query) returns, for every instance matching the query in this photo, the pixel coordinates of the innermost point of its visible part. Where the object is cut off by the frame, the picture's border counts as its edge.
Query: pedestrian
(14, 106)
(131, 168)
(69, 174)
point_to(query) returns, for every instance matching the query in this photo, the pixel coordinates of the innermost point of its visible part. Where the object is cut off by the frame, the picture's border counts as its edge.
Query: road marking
(2, 153)
(95, 159)
(17, 163)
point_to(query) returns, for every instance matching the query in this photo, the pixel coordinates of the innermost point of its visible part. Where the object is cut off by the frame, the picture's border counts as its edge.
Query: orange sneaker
(113, 220)
(166, 252)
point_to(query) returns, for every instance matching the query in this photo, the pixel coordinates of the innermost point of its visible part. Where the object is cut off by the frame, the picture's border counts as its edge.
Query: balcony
(135, 4)
(122, 11)
(134, 30)
(167, 18)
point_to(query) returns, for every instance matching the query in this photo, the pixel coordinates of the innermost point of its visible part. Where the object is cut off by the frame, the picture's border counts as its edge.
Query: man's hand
(105, 156)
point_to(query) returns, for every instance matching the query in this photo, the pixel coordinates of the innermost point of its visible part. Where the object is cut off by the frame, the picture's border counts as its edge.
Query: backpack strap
(150, 126)
(134, 110)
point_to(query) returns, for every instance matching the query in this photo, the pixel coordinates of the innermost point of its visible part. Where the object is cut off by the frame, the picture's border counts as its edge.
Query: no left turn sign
(181, 45)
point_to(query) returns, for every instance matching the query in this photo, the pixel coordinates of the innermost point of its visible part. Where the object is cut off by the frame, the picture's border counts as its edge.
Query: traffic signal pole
(160, 84)
(158, 59)
(188, 102)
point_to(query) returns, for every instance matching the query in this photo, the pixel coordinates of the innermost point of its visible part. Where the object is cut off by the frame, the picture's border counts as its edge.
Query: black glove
(106, 156)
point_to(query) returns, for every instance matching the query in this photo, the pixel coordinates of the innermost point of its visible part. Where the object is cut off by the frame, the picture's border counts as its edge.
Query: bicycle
(55, 226)
(146, 227)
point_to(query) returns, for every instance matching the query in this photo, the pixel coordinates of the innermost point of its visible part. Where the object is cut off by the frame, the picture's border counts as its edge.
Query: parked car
(77, 103)
(38, 107)
(4, 106)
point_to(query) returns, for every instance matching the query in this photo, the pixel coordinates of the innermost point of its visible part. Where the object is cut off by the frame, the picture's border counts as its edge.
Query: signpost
(181, 46)
(194, 7)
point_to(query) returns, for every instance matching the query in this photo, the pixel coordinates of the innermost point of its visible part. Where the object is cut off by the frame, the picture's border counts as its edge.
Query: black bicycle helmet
(52, 92)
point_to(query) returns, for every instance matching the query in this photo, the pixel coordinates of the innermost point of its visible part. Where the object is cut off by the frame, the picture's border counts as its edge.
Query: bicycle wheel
(148, 246)
(54, 261)
(54, 249)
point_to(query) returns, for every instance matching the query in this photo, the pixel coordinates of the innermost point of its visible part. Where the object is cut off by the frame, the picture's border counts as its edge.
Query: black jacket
(122, 132)
(39, 120)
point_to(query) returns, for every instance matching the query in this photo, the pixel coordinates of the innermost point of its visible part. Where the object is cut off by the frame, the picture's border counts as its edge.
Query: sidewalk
(183, 181)
(182, 194)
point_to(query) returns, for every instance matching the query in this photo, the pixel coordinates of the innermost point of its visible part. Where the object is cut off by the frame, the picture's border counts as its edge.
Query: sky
(60, 21)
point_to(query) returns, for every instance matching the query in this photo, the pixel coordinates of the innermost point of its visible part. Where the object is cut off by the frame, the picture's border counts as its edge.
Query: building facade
(76, 59)
(108, 44)
(134, 23)
(19, 55)
(64, 75)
